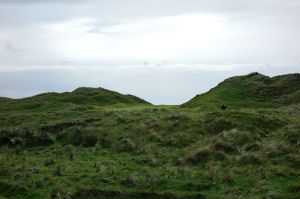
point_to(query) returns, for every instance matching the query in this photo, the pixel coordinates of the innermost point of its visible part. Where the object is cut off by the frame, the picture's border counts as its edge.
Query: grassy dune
(53, 146)
(252, 91)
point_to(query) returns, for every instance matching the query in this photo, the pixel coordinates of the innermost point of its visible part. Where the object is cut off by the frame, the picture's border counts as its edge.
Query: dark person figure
(223, 107)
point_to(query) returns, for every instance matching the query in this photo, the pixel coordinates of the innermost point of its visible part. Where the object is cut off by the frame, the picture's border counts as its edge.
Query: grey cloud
(38, 11)
(37, 1)
(101, 25)
(11, 49)
(261, 31)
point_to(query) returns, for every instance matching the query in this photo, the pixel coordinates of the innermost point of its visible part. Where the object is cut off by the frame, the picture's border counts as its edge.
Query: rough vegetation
(252, 91)
(87, 97)
(67, 146)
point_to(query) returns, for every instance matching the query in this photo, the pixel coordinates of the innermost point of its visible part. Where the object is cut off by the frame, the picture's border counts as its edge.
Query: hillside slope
(251, 91)
(80, 96)
(58, 145)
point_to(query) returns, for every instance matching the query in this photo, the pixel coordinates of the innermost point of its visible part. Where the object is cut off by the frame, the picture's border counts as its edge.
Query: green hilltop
(252, 91)
(95, 143)
(84, 96)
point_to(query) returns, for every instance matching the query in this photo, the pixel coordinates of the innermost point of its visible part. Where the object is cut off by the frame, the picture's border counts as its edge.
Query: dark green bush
(199, 156)
(293, 160)
(218, 125)
(252, 146)
(76, 136)
(246, 159)
(42, 139)
(220, 145)
(292, 134)
(14, 137)
(126, 145)
(238, 138)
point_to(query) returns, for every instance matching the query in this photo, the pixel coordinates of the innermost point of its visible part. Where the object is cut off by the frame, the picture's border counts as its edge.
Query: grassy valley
(96, 143)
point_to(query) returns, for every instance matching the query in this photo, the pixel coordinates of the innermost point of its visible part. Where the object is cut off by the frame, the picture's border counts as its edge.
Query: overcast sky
(165, 51)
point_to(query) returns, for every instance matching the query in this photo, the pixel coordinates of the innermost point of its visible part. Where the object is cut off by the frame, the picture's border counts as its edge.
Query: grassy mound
(69, 146)
(251, 91)
(82, 98)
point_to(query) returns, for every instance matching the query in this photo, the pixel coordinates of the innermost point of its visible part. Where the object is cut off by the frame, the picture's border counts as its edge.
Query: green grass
(251, 91)
(138, 150)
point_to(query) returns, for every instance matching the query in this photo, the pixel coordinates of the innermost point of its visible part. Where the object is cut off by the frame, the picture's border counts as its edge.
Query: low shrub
(49, 161)
(60, 193)
(127, 145)
(156, 137)
(39, 184)
(218, 125)
(200, 156)
(274, 150)
(228, 178)
(292, 135)
(252, 146)
(210, 173)
(16, 137)
(76, 136)
(59, 171)
(149, 161)
(293, 160)
(220, 145)
(249, 159)
(239, 138)
(206, 154)
(129, 181)
(41, 139)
